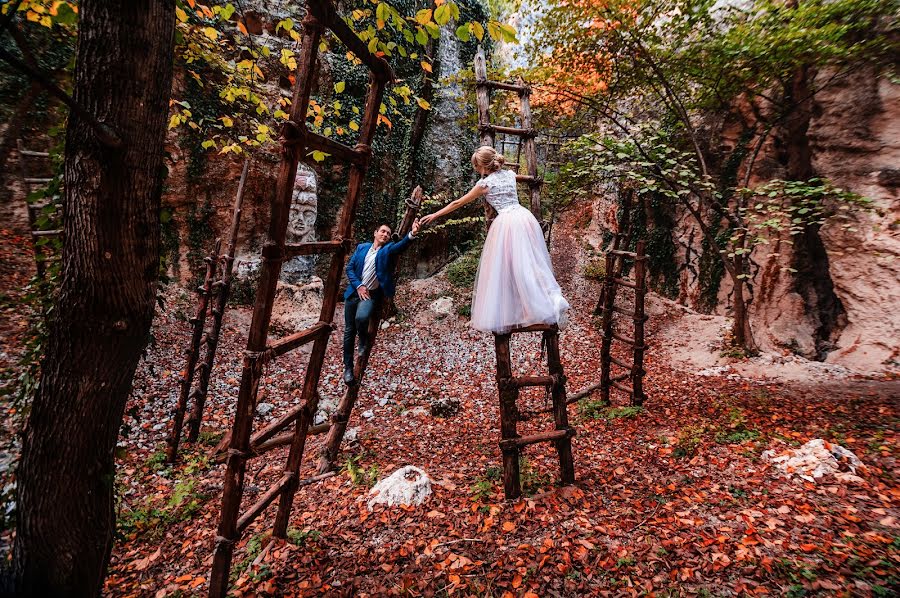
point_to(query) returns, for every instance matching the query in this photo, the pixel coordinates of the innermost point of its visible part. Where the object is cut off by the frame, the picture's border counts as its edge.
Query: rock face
(297, 306)
(841, 306)
(408, 485)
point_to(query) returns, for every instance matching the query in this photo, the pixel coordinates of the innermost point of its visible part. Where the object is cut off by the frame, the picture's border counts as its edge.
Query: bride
(515, 285)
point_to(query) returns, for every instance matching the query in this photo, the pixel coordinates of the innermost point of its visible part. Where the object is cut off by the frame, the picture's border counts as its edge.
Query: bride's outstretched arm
(473, 194)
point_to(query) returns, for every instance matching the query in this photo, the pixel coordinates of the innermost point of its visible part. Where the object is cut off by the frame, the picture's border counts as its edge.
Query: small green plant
(210, 438)
(152, 519)
(737, 431)
(688, 440)
(532, 479)
(600, 410)
(484, 485)
(464, 310)
(300, 537)
(461, 273)
(156, 461)
(358, 475)
(595, 269)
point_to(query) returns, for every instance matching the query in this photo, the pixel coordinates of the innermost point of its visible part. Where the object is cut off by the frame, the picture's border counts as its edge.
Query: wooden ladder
(527, 133)
(30, 183)
(297, 140)
(615, 278)
(215, 291)
(511, 443)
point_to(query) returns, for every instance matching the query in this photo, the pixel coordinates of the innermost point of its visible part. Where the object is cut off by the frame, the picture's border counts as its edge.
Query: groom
(371, 276)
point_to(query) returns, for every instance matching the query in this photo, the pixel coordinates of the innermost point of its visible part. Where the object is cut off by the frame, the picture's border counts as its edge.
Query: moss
(461, 273)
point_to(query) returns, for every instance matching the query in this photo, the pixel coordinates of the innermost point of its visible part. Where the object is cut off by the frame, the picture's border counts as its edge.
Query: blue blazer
(383, 266)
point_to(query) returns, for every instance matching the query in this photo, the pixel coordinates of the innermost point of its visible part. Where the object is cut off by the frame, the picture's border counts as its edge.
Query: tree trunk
(66, 519)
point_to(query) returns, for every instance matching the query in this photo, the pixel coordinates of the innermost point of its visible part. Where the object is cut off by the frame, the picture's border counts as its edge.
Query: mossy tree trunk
(123, 76)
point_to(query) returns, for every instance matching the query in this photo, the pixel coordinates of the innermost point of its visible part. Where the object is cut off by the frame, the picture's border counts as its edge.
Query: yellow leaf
(182, 16)
(227, 121)
(211, 33)
(423, 104)
(426, 66)
(354, 126)
(318, 156)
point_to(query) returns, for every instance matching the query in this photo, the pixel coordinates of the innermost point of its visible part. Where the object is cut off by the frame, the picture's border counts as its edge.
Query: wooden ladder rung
(509, 130)
(534, 328)
(336, 149)
(630, 254)
(523, 381)
(311, 248)
(500, 85)
(623, 338)
(535, 438)
(288, 343)
(531, 180)
(286, 438)
(623, 364)
(625, 283)
(46, 233)
(264, 501)
(622, 387)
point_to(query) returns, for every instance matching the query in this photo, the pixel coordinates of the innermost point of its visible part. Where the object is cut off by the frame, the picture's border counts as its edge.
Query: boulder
(442, 306)
(444, 407)
(816, 459)
(408, 485)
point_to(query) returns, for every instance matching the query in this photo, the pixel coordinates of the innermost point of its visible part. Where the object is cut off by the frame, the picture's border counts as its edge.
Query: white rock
(351, 435)
(442, 306)
(817, 458)
(368, 414)
(408, 485)
(264, 408)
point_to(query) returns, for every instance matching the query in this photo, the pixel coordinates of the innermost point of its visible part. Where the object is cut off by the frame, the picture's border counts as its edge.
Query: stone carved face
(302, 216)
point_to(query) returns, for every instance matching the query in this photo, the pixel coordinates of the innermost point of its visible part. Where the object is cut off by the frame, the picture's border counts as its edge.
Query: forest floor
(672, 499)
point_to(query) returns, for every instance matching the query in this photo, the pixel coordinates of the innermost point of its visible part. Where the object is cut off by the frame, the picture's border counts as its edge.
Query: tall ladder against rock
(269, 438)
(483, 88)
(215, 292)
(615, 278)
(297, 140)
(511, 442)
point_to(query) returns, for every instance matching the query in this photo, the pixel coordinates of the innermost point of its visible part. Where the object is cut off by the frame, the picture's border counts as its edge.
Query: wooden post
(608, 294)
(254, 359)
(508, 416)
(222, 290)
(560, 415)
(640, 279)
(192, 354)
(527, 144)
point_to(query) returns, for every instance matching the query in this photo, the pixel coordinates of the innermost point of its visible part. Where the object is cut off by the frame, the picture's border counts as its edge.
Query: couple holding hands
(515, 285)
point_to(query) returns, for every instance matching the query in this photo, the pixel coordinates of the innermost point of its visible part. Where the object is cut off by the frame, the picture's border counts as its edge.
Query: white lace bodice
(501, 190)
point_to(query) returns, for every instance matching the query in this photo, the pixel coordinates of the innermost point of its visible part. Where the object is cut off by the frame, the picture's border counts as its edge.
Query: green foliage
(461, 273)
(485, 485)
(595, 269)
(300, 537)
(154, 517)
(600, 410)
(358, 475)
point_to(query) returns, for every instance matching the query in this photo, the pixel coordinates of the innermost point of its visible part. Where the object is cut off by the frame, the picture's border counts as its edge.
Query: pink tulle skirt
(515, 285)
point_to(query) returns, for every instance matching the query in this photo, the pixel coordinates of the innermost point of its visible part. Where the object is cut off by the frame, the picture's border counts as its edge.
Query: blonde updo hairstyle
(487, 158)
